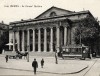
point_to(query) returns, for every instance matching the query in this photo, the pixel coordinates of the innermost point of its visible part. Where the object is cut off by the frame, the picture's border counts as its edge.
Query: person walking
(35, 65)
(6, 58)
(42, 63)
(56, 55)
(84, 54)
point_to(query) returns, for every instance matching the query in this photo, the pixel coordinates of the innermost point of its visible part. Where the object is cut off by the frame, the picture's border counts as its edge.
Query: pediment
(54, 11)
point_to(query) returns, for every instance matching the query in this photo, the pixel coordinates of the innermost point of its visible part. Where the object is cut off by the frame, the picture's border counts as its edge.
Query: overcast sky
(22, 11)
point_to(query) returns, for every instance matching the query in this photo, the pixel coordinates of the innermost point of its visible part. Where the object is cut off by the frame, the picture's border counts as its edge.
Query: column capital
(60, 23)
(27, 29)
(23, 30)
(38, 28)
(33, 28)
(57, 26)
(65, 26)
(51, 27)
(44, 27)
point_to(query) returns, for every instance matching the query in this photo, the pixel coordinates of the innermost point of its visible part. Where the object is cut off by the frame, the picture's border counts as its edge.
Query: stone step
(44, 54)
(47, 54)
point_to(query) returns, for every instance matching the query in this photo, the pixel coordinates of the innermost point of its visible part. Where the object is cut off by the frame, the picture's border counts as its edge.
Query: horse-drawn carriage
(15, 55)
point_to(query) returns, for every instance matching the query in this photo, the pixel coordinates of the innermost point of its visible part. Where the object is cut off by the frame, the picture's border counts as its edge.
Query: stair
(43, 54)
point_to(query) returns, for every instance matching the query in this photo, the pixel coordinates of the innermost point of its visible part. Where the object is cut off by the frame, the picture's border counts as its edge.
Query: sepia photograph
(49, 37)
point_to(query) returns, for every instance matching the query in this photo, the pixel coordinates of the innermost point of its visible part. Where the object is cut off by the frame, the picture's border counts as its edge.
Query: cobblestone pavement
(68, 67)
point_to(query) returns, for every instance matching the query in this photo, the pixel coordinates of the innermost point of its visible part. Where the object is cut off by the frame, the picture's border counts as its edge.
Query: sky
(15, 10)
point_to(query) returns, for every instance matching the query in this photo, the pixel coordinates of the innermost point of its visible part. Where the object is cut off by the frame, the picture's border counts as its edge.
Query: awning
(9, 44)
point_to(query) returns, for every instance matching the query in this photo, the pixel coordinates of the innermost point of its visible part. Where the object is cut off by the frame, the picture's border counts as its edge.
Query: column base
(32, 51)
(38, 51)
(51, 50)
(44, 51)
(58, 50)
(22, 51)
(13, 51)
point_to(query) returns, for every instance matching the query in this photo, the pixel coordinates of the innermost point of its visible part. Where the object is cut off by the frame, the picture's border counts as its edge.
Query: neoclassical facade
(46, 32)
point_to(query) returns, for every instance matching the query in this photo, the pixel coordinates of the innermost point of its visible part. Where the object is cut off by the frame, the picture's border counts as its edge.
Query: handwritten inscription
(36, 6)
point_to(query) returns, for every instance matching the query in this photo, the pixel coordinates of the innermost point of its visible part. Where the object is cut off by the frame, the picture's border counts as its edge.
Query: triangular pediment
(54, 11)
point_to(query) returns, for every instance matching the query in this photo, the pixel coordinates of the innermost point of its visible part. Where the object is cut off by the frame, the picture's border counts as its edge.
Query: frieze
(40, 25)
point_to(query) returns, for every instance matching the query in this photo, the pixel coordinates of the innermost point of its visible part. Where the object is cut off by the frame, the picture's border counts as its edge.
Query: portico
(40, 38)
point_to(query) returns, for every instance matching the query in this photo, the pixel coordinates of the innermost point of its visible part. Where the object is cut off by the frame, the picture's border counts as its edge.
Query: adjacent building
(4, 35)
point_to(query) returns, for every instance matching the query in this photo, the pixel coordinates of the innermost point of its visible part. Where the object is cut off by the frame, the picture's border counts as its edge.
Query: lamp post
(81, 40)
(56, 60)
(56, 57)
(28, 54)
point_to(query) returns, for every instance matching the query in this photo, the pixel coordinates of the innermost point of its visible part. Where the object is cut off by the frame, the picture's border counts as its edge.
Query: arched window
(52, 14)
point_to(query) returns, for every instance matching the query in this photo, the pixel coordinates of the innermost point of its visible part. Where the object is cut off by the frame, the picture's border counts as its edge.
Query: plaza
(68, 67)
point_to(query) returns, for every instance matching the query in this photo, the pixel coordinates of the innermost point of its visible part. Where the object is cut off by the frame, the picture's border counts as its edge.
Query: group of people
(35, 65)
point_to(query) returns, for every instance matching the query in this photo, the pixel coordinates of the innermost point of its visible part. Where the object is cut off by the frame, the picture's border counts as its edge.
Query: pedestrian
(35, 65)
(62, 54)
(6, 58)
(84, 54)
(42, 63)
(56, 55)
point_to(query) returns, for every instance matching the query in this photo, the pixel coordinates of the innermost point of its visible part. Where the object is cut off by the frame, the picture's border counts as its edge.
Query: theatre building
(46, 32)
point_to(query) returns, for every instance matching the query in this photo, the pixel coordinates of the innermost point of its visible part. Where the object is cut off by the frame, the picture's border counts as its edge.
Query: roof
(60, 9)
(46, 19)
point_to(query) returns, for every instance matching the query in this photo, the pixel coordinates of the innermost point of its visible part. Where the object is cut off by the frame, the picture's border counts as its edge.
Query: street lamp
(56, 57)
(81, 40)
(28, 54)
(56, 60)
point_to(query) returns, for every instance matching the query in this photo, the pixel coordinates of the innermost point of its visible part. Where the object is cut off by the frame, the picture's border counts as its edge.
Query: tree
(4, 39)
(88, 29)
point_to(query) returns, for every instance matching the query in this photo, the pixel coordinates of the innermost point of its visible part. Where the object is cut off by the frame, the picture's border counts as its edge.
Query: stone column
(13, 41)
(45, 40)
(10, 39)
(39, 40)
(23, 40)
(65, 35)
(69, 35)
(18, 42)
(51, 40)
(33, 40)
(58, 38)
(28, 40)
